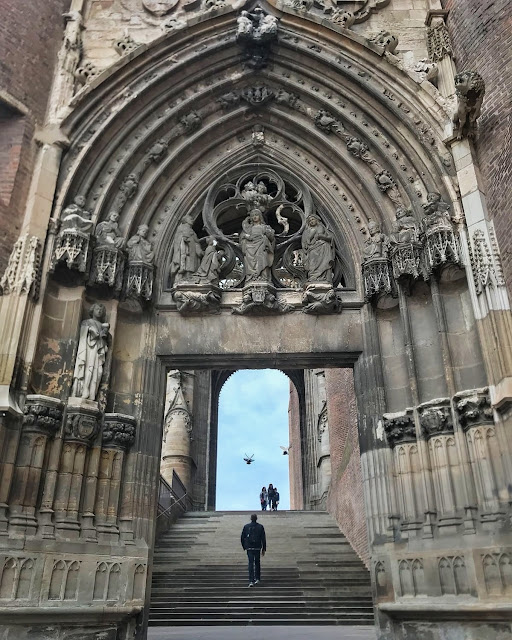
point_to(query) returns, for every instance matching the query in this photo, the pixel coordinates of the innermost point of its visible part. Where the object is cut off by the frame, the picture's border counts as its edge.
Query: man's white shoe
(256, 581)
(251, 584)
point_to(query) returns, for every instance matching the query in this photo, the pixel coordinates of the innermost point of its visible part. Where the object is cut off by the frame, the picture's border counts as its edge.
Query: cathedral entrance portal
(258, 190)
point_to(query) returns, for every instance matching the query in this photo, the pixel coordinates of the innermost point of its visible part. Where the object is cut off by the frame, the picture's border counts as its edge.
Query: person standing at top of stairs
(275, 499)
(254, 541)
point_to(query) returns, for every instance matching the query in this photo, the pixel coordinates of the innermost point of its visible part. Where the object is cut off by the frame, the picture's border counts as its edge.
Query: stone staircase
(310, 574)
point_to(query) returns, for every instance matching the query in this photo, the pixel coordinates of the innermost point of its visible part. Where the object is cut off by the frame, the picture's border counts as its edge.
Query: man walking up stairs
(254, 541)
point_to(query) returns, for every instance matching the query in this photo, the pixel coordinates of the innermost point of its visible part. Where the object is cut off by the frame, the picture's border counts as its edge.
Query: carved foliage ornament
(118, 431)
(436, 419)
(42, 414)
(474, 408)
(399, 428)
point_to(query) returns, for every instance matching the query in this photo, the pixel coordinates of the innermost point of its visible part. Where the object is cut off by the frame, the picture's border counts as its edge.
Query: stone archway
(421, 323)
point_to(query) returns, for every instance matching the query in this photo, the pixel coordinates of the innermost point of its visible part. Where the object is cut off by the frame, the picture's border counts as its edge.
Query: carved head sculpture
(469, 81)
(113, 216)
(98, 312)
(313, 221)
(79, 201)
(143, 230)
(261, 188)
(373, 228)
(256, 217)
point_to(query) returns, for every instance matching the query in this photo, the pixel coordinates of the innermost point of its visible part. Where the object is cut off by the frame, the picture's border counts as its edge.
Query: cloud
(253, 419)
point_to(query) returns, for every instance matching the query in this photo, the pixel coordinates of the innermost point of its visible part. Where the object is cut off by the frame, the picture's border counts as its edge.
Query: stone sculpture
(158, 150)
(140, 264)
(318, 251)
(375, 245)
(72, 243)
(140, 249)
(406, 228)
(186, 253)
(211, 263)
(376, 276)
(441, 244)
(386, 40)
(470, 90)
(257, 243)
(254, 32)
(108, 260)
(261, 298)
(108, 234)
(195, 301)
(320, 302)
(91, 354)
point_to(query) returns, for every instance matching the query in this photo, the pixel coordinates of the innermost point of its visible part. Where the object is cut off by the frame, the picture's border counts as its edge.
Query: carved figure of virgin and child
(257, 242)
(91, 354)
(318, 251)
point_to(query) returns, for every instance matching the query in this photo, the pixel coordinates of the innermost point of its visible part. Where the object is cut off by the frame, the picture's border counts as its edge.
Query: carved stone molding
(474, 408)
(399, 427)
(482, 263)
(125, 44)
(22, 272)
(260, 298)
(194, 298)
(436, 417)
(81, 423)
(42, 414)
(118, 431)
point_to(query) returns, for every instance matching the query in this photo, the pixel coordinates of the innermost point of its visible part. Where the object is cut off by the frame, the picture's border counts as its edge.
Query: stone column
(42, 419)
(177, 437)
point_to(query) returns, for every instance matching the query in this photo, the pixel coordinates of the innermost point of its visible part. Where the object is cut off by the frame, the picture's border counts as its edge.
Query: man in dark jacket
(254, 542)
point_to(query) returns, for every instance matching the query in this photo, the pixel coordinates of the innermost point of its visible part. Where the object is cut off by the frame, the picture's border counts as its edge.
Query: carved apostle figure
(75, 217)
(318, 248)
(375, 245)
(108, 234)
(186, 252)
(257, 243)
(140, 249)
(437, 211)
(244, 25)
(211, 263)
(406, 228)
(91, 355)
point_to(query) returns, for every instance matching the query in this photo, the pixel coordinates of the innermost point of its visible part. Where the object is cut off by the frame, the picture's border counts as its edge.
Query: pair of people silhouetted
(254, 542)
(273, 497)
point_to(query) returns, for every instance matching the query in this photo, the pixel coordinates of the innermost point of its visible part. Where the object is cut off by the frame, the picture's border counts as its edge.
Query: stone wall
(346, 500)
(30, 37)
(295, 462)
(481, 32)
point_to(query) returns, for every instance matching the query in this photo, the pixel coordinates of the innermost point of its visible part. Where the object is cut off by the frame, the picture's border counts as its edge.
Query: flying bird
(249, 459)
(285, 449)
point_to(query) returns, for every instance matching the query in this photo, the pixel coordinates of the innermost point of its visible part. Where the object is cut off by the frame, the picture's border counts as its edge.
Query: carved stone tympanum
(91, 354)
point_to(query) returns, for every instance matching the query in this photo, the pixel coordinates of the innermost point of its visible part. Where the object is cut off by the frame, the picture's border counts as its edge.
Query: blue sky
(253, 419)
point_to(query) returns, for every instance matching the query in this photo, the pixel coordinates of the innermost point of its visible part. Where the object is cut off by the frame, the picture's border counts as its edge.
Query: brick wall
(345, 501)
(481, 32)
(30, 37)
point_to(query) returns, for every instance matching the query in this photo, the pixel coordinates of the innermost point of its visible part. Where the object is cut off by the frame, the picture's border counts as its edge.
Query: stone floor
(262, 633)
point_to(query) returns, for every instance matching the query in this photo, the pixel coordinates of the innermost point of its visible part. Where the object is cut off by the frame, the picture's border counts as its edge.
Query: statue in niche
(405, 228)
(376, 244)
(108, 234)
(91, 354)
(140, 249)
(211, 263)
(186, 253)
(257, 241)
(437, 212)
(75, 217)
(318, 251)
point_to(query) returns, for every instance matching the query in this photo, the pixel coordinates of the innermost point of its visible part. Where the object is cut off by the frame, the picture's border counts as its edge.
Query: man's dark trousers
(253, 555)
